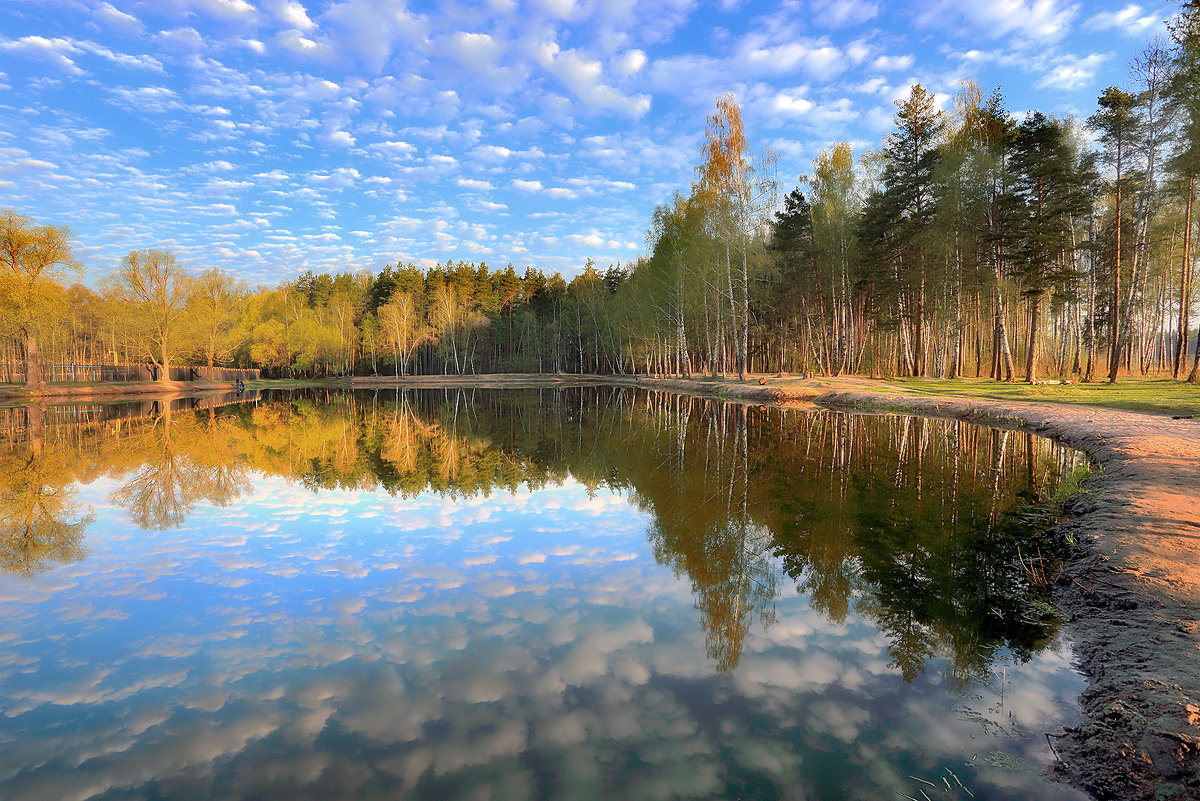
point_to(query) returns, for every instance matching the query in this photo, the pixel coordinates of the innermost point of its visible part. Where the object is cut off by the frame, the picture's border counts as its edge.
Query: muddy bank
(116, 391)
(485, 381)
(772, 391)
(1131, 593)
(111, 391)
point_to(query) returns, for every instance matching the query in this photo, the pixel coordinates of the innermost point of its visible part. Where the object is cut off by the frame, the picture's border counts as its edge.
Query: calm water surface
(571, 594)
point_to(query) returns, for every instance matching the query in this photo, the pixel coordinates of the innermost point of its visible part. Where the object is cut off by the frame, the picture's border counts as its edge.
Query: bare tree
(157, 289)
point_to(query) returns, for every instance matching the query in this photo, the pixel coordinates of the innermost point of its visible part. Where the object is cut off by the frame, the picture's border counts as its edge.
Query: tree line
(455, 318)
(969, 243)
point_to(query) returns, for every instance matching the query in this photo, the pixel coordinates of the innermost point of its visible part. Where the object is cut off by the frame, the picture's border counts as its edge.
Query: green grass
(1140, 394)
(268, 383)
(1073, 483)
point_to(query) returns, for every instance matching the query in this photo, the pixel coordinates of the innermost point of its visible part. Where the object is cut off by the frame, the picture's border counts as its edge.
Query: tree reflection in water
(910, 523)
(42, 522)
(187, 459)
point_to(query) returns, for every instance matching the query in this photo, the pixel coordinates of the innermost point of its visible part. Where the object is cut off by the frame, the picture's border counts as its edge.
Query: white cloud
(560, 9)
(491, 153)
(889, 63)
(371, 31)
(839, 13)
(1071, 72)
(236, 9)
(295, 42)
(54, 51)
(339, 178)
(873, 86)
(858, 51)
(394, 148)
(821, 59)
(222, 186)
(584, 77)
(472, 183)
(476, 50)
(831, 113)
(292, 14)
(1032, 19)
(586, 240)
(1131, 20)
(630, 63)
(791, 102)
(527, 186)
(182, 39)
(118, 20)
(121, 59)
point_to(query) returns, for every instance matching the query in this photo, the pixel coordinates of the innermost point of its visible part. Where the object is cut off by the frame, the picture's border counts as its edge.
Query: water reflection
(913, 523)
(42, 522)
(184, 459)
(432, 594)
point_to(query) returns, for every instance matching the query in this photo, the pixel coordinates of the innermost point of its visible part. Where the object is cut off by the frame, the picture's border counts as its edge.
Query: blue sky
(268, 137)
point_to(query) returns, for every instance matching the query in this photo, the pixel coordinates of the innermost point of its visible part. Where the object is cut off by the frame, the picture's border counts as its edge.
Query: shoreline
(111, 391)
(1130, 592)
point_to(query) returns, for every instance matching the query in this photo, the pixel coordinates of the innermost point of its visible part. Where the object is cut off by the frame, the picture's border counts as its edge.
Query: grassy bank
(1136, 394)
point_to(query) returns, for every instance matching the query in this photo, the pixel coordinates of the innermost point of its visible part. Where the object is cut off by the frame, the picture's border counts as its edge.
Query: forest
(970, 243)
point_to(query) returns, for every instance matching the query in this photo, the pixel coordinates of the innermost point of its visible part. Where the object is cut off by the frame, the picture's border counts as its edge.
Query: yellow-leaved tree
(737, 190)
(33, 260)
(155, 289)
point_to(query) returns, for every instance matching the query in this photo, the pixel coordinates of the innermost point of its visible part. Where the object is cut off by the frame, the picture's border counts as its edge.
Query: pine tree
(1119, 125)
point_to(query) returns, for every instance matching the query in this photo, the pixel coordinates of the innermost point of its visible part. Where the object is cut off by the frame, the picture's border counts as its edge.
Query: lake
(582, 593)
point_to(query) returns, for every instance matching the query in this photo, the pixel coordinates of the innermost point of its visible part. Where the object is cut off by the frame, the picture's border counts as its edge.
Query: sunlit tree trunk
(1185, 282)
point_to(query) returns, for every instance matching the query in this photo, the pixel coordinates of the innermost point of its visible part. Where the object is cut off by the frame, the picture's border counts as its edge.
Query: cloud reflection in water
(356, 644)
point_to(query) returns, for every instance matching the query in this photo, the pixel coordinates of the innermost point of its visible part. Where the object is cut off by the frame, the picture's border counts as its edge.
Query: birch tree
(1183, 99)
(401, 328)
(214, 308)
(738, 189)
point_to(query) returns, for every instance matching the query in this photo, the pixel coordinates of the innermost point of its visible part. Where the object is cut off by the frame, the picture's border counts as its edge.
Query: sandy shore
(1131, 592)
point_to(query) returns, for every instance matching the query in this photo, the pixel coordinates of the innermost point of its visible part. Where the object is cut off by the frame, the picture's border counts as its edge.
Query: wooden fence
(220, 374)
(94, 373)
